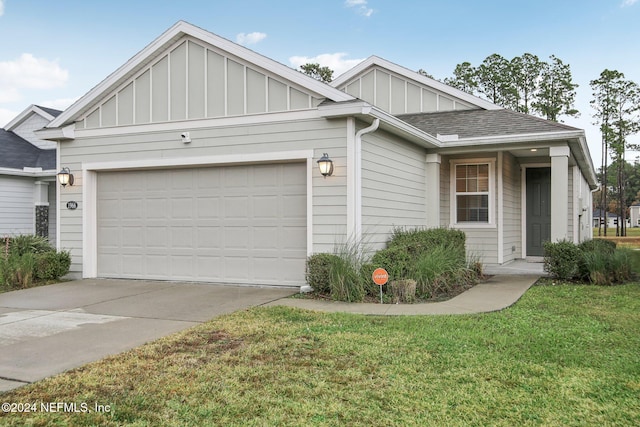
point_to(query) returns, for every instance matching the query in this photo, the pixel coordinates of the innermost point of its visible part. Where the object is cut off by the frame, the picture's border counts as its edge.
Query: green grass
(563, 355)
(631, 231)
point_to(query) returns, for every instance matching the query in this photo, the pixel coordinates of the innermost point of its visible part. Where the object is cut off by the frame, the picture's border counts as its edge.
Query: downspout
(358, 179)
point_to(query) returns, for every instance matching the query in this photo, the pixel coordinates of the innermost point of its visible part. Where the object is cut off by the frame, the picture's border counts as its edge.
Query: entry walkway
(497, 293)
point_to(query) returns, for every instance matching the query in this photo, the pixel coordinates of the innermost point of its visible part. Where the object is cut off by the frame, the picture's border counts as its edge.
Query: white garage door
(233, 224)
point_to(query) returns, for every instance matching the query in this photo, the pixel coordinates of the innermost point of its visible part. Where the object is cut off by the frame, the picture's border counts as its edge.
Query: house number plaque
(72, 205)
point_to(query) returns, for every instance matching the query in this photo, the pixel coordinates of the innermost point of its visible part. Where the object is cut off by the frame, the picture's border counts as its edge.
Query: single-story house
(198, 160)
(612, 219)
(27, 176)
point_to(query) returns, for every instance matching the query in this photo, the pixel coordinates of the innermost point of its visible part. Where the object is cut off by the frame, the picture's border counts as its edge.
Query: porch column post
(432, 185)
(559, 192)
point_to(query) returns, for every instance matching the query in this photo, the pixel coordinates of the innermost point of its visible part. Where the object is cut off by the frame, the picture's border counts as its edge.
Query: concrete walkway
(497, 293)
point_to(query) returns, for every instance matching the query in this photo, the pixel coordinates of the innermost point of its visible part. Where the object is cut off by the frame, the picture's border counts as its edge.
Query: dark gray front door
(538, 209)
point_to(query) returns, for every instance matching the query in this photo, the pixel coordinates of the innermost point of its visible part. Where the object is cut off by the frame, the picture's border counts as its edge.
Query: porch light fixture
(325, 164)
(65, 177)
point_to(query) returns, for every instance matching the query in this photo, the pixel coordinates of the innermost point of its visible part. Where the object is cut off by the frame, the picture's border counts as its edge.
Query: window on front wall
(472, 193)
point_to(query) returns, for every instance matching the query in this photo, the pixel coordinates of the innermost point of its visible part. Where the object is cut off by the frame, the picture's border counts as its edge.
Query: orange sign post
(380, 277)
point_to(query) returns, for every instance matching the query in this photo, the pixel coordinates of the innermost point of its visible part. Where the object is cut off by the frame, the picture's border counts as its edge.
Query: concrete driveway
(50, 329)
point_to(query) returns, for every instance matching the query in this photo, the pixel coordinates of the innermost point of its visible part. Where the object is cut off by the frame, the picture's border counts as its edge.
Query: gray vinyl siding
(399, 95)
(445, 203)
(481, 242)
(52, 212)
(17, 209)
(329, 195)
(196, 81)
(393, 186)
(585, 209)
(512, 220)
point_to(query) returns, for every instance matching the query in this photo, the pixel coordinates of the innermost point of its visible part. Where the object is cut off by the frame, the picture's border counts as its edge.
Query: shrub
(420, 240)
(319, 271)
(52, 265)
(19, 270)
(28, 243)
(561, 259)
(397, 260)
(346, 280)
(370, 288)
(598, 245)
(346, 283)
(433, 271)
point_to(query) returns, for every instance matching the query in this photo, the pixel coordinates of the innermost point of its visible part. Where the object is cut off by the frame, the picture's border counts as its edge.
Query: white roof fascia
(392, 123)
(25, 114)
(525, 137)
(412, 75)
(21, 172)
(65, 133)
(178, 30)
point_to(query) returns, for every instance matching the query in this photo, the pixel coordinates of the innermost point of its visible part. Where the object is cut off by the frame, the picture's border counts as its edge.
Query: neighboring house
(634, 215)
(27, 176)
(612, 218)
(197, 160)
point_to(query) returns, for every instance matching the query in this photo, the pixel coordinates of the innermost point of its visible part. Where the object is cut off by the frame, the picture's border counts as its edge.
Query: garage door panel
(238, 224)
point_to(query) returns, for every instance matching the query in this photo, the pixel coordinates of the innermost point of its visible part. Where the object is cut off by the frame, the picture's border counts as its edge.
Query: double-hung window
(472, 184)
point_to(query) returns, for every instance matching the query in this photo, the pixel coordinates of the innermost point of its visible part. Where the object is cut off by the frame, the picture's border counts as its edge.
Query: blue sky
(52, 52)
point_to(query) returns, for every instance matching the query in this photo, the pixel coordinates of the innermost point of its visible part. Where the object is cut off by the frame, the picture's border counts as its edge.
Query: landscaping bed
(421, 264)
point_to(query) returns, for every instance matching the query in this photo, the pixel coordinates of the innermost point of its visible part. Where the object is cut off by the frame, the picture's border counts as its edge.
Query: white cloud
(29, 72)
(6, 116)
(58, 104)
(251, 38)
(362, 8)
(626, 3)
(1, 7)
(335, 61)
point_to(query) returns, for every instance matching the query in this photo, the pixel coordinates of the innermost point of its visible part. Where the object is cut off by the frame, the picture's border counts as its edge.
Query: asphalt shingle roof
(17, 153)
(54, 113)
(480, 123)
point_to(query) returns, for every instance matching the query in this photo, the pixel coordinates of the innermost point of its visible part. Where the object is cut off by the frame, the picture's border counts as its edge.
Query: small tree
(323, 74)
(464, 78)
(557, 92)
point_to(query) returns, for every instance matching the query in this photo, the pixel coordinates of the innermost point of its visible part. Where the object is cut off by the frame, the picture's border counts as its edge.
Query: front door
(538, 209)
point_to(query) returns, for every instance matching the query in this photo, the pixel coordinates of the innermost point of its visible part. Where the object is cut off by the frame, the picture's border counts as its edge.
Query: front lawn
(563, 355)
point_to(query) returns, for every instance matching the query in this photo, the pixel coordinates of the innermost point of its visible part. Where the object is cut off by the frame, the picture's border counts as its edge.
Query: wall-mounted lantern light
(325, 165)
(65, 177)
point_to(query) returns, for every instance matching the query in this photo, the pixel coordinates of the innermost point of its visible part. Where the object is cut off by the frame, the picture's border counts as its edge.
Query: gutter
(358, 178)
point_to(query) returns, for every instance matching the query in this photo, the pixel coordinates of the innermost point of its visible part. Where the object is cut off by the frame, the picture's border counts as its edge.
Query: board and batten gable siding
(512, 212)
(329, 195)
(399, 95)
(17, 212)
(481, 242)
(393, 187)
(196, 81)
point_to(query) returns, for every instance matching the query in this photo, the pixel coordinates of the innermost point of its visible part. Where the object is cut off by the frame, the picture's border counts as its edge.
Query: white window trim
(492, 193)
